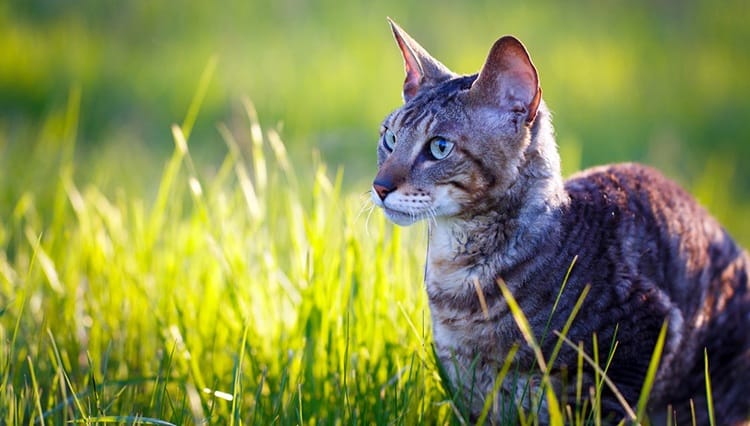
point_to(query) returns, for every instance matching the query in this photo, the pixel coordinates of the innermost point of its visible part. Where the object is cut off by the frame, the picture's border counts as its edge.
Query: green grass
(199, 273)
(255, 290)
(250, 296)
(244, 297)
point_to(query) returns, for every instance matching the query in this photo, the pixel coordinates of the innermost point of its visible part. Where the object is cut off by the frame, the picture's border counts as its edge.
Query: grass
(234, 299)
(259, 293)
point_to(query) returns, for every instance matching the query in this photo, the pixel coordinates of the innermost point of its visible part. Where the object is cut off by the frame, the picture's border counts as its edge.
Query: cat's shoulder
(627, 186)
(621, 177)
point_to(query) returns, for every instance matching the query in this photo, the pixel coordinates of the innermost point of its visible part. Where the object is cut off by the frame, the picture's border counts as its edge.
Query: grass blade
(569, 323)
(65, 382)
(621, 399)
(496, 387)
(709, 394)
(553, 406)
(237, 388)
(37, 397)
(559, 295)
(651, 373)
(200, 94)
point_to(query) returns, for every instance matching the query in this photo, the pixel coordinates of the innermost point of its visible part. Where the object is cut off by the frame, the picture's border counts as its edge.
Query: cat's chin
(400, 218)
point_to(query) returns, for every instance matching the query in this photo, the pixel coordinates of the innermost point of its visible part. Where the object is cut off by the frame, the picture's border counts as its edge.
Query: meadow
(185, 230)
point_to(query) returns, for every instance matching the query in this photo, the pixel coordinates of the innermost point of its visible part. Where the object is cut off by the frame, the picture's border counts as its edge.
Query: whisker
(366, 206)
(431, 216)
(366, 203)
(367, 219)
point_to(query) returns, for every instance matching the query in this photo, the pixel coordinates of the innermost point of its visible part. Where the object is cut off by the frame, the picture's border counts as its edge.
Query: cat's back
(629, 187)
(642, 201)
(655, 224)
(636, 231)
(650, 236)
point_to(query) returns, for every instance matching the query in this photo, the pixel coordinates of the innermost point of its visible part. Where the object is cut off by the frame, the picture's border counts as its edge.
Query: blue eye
(389, 140)
(440, 148)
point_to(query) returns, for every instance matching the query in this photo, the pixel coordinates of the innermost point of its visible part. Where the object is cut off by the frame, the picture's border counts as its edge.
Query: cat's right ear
(422, 70)
(509, 81)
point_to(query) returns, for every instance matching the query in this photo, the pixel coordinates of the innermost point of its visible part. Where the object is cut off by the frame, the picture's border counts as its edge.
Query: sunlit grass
(232, 299)
(258, 293)
(248, 297)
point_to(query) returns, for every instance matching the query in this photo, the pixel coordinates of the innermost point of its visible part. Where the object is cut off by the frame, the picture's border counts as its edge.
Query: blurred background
(659, 81)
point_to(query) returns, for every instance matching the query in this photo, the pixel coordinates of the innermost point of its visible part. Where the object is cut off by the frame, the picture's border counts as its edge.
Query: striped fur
(498, 209)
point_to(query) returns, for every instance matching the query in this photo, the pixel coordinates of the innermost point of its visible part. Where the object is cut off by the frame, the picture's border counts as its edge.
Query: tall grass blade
(553, 406)
(709, 393)
(598, 378)
(557, 299)
(159, 213)
(37, 397)
(256, 136)
(579, 387)
(300, 414)
(237, 388)
(282, 158)
(65, 382)
(492, 397)
(200, 94)
(569, 323)
(16, 327)
(252, 202)
(653, 365)
(45, 261)
(196, 190)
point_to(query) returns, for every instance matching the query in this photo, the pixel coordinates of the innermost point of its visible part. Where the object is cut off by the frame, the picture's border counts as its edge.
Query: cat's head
(458, 143)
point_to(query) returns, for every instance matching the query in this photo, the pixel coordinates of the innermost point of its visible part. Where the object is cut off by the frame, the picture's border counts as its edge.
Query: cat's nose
(383, 188)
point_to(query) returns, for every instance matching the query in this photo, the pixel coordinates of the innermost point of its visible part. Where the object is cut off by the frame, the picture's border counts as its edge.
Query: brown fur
(498, 208)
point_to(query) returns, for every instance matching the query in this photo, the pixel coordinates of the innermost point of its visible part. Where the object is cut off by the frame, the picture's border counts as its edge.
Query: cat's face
(456, 144)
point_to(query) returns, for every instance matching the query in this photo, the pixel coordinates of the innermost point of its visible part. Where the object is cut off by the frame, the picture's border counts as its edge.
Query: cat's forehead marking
(412, 115)
(443, 101)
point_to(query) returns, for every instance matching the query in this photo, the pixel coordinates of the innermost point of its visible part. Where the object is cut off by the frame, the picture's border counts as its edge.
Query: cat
(475, 156)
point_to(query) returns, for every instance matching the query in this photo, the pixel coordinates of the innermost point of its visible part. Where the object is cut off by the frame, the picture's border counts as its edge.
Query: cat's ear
(422, 70)
(509, 80)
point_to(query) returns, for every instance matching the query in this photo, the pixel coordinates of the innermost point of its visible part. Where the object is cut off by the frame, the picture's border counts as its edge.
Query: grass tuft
(241, 295)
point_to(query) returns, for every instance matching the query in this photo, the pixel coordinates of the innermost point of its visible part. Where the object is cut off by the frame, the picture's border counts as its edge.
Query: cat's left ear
(509, 80)
(422, 70)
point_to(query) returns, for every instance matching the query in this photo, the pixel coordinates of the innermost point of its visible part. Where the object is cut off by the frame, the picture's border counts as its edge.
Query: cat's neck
(499, 238)
(508, 231)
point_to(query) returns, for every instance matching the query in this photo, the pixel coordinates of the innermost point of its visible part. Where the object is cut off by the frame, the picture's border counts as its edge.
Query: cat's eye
(389, 140)
(440, 148)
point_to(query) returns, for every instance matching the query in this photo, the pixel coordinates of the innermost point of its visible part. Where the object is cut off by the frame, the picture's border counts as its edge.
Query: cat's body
(476, 157)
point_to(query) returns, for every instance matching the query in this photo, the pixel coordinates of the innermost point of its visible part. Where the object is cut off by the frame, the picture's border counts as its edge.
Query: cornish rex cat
(476, 157)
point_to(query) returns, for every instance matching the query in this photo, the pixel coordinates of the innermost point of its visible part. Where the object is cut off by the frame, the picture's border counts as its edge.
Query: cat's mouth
(401, 218)
(396, 212)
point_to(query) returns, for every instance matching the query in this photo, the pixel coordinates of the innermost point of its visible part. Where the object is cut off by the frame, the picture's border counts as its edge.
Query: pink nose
(382, 188)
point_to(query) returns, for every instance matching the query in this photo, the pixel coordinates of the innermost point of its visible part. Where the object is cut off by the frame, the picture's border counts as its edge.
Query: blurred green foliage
(665, 82)
(89, 89)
